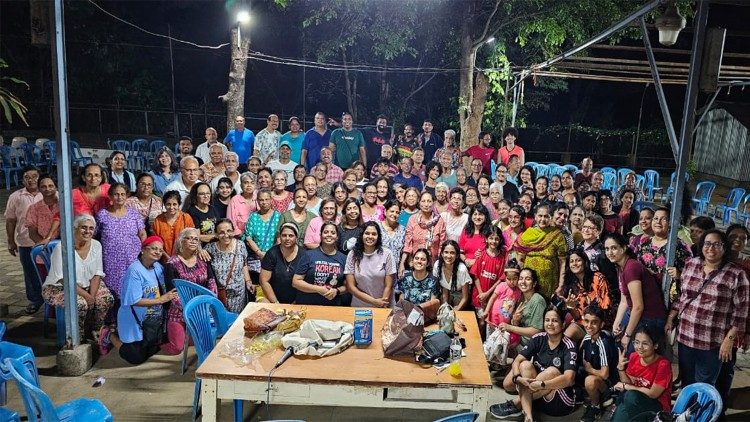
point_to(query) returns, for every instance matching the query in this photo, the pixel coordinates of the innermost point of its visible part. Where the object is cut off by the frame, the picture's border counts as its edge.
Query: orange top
(169, 232)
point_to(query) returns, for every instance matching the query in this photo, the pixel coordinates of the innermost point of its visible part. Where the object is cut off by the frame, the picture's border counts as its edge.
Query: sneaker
(505, 410)
(104, 344)
(591, 413)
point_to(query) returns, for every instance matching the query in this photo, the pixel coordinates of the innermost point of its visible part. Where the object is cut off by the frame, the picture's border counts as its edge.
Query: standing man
(315, 139)
(405, 143)
(429, 141)
(214, 167)
(585, 176)
(284, 162)
(241, 140)
(294, 138)
(334, 173)
(267, 141)
(375, 138)
(186, 149)
(203, 150)
(510, 136)
(483, 151)
(347, 143)
(19, 242)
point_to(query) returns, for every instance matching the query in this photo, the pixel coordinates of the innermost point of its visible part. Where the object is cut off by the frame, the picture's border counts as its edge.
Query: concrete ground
(155, 391)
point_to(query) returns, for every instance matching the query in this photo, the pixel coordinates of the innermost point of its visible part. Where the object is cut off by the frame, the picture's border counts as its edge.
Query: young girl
(487, 269)
(502, 302)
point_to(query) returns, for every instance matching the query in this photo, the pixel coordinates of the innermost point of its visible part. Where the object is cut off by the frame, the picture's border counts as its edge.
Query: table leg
(480, 403)
(209, 401)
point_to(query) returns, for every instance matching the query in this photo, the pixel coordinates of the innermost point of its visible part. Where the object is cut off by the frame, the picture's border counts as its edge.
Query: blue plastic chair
(50, 152)
(461, 417)
(672, 182)
(2, 329)
(200, 314)
(542, 170)
(187, 291)
(640, 181)
(10, 164)
(702, 196)
(610, 181)
(744, 215)
(37, 402)
(77, 156)
(621, 173)
(606, 170)
(7, 415)
(23, 354)
(121, 145)
(652, 183)
(554, 169)
(45, 254)
(708, 401)
(139, 154)
(572, 167)
(731, 206)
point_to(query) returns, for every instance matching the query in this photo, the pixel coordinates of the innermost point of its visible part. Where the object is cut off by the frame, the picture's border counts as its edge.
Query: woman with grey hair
(164, 170)
(280, 197)
(185, 264)
(93, 298)
(241, 206)
(449, 147)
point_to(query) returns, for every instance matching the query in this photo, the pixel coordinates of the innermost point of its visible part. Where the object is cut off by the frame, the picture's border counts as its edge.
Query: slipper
(32, 308)
(104, 344)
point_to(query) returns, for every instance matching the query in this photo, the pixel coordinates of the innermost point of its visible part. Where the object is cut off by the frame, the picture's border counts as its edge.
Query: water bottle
(455, 367)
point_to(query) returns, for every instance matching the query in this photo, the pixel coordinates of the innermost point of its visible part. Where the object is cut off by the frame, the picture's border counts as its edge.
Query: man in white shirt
(267, 141)
(203, 150)
(284, 162)
(189, 171)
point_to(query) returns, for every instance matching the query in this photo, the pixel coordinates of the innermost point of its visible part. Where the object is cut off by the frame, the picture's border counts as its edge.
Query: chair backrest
(735, 197)
(461, 417)
(572, 167)
(51, 148)
(11, 158)
(707, 402)
(75, 149)
(157, 145)
(121, 145)
(640, 181)
(187, 290)
(39, 251)
(606, 170)
(621, 173)
(35, 400)
(140, 147)
(704, 190)
(652, 178)
(541, 170)
(2, 329)
(610, 181)
(746, 204)
(199, 315)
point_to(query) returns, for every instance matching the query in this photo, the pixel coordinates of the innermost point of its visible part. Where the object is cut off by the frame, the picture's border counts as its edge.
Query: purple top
(120, 244)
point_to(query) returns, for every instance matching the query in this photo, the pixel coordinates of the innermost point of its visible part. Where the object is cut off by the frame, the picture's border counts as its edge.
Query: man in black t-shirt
(598, 353)
(375, 138)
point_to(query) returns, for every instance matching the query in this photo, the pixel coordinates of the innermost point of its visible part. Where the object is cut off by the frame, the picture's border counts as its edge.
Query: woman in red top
(645, 379)
(472, 240)
(93, 194)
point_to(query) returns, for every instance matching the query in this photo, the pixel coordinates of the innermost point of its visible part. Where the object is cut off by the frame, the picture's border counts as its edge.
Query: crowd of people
(347, 217)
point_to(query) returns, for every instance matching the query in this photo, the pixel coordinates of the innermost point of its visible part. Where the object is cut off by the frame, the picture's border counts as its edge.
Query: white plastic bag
(496, 347)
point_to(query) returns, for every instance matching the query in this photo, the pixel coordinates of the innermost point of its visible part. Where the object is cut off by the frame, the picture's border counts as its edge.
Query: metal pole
(708, 108)
(176, 122)
(660, 91)
(65, 178)
(686, 135)
(516, 90)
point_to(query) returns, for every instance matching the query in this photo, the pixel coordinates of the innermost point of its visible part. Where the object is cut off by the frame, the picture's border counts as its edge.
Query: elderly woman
(712, 309)
(313, 200)
(280, 197)
(629, 184)
(409, 206)
(425, 230)
(493, 201)
(117, 172)
(370, 270)
(260, 231)
(91, 196)
(543, 249)
(441, 198)
(449, 149)
(319, 275)
(229, 263)
(140, 318)
(185, 265)
(170, 223)
(94, 298)
(231, 166)
(144, 201)
(298, 215)
(278, 266)
(164, 170)
(122, 230)
(323, 185)
(241, 206)
(652, 252)
(641, 302)
(203, 213)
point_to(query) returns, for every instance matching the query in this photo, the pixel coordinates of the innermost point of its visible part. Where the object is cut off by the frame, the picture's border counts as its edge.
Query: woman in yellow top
(543, 249)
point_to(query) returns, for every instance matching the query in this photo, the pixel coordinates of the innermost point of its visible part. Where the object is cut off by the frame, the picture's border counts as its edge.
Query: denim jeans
(726, 375)
(33, 284)
(658, 325)
(698, 365)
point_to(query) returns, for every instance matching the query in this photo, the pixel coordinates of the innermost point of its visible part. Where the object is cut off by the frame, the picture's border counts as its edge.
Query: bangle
(515, 379)
(626, 335)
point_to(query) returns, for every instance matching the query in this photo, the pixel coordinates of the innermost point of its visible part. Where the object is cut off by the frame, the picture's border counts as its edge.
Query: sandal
(32, 308)
(104, 344)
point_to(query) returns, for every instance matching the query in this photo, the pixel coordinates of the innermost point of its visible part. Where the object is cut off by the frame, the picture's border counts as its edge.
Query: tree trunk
(470, 119)
(351, 88)
(384, 92)
(235, 96)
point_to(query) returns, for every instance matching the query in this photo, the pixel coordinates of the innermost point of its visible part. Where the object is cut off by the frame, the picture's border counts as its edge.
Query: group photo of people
(568, 274)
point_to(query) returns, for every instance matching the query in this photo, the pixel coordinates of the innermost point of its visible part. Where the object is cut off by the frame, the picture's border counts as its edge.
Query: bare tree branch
(419, 88)
(486, 29)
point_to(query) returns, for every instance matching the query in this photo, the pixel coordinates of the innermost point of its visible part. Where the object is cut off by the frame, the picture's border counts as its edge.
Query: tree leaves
(9, 102)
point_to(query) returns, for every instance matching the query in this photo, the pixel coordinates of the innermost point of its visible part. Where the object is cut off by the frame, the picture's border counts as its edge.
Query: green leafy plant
(9, 101)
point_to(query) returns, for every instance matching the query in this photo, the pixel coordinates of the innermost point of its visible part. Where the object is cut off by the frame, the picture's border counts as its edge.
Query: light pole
(243, 18)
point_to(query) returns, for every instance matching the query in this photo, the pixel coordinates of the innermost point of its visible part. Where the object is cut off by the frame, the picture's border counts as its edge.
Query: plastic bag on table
(243, 351)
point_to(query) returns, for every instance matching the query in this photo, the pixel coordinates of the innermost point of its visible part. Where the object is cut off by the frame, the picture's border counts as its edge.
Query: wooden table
(358, 377)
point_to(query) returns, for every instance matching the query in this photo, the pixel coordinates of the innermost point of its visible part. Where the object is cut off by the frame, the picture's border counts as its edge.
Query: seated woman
(140, 319)
(583, 287)
(453, 276)
(94, 298)
(319, 274)
(418, 286)
(528, 317)
(543, 373)
(185, 265)
(645, 379)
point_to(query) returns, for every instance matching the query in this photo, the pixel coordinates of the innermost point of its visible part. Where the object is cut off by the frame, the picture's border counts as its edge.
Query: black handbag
(436, 347)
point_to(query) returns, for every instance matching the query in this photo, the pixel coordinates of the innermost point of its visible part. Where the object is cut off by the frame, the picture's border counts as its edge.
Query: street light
(670, 23)
(490, 40)
(243, 18)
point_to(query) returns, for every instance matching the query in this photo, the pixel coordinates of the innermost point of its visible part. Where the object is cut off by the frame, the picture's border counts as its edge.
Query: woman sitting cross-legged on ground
(543, 373)
(140, 319)
(94, 298)
(185, 265)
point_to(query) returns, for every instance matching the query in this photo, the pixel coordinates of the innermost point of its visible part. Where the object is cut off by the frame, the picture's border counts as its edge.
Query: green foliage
(9, 102)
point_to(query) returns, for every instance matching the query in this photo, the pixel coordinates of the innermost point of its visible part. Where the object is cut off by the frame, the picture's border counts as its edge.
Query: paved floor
(155, 391)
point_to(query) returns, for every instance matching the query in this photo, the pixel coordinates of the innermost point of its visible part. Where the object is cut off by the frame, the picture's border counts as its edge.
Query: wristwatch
(515, 378)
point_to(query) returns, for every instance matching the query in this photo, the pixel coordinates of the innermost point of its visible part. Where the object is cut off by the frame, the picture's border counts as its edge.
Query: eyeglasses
(204, 193)
(192, 239)
(585, 227)
(713, 245)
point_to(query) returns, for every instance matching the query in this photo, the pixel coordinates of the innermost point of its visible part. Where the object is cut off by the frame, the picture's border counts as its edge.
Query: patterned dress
(197, 274)
(120, 244)
(150, 211)
(393, 241)
(234, 283)
(655, 260)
